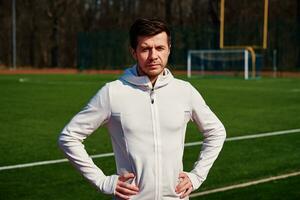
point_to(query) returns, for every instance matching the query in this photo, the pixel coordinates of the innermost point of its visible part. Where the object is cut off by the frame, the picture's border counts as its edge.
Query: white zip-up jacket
(147, 126)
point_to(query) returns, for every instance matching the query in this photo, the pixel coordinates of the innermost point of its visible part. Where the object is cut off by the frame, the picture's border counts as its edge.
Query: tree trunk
(298, 34)
(54, 39)
(168, 11)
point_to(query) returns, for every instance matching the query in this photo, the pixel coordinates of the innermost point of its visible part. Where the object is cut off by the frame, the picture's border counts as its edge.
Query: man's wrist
(108, 184)
(196, 182)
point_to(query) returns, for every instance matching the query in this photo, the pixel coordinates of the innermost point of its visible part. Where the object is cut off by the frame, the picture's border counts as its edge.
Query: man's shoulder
(107, 87)
(182, 87)
(181, 83)
(116, 86)
(114, 83)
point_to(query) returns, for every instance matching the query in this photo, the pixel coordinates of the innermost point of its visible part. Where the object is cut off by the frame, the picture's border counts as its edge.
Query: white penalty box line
(246, 184)
(48, 162)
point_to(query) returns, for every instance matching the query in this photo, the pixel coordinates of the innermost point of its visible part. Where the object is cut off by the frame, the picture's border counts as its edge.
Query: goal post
(219, 62)
(250, 46)
(264, 37)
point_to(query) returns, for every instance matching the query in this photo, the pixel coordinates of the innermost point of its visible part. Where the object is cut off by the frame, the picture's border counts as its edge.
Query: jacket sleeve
(214, 136)
(95, 113)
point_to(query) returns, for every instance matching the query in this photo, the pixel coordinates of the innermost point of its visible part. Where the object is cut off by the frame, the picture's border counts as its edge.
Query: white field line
(245, 137)
(242, 185)
(48, 162)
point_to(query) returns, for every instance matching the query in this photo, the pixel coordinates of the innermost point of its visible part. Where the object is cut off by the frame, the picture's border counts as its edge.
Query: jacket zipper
(156, 144)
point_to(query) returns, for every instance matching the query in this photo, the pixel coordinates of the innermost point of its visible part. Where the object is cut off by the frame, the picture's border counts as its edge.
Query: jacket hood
(130, 76)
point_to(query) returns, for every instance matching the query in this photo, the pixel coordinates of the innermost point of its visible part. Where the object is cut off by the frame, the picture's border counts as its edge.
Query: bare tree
(5, 32)
(48, 31)
(298, 33)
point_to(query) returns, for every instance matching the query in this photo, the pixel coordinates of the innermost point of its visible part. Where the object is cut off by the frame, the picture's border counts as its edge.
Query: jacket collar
(130, 75)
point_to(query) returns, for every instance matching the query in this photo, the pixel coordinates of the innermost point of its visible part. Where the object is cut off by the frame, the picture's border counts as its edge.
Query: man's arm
(71, 139)
(214, 136)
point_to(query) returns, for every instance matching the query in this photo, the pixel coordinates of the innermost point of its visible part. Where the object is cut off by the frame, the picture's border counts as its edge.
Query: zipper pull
(151, 95)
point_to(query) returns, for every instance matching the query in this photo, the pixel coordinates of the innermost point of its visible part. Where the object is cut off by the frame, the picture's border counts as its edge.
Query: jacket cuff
(196, 182)
(108, 184)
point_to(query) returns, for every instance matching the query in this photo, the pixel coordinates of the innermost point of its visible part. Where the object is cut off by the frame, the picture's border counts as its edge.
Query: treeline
(93, 33)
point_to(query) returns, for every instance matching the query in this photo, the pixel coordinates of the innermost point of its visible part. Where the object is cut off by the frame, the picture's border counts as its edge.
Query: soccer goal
(219, 62)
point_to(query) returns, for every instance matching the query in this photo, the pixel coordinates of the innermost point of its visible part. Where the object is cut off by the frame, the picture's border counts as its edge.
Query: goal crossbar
(245, 52)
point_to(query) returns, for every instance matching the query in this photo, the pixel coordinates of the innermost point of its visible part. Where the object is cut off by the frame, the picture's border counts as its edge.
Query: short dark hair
(147, 27)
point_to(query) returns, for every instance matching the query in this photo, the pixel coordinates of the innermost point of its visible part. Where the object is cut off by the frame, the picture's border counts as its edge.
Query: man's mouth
(152, 65)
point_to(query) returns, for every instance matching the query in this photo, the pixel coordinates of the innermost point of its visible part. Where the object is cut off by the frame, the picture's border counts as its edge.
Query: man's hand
(124, 190)
(185, 186)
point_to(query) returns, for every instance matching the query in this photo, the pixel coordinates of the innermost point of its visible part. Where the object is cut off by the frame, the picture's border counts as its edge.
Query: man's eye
(145, 50)
(160, 48)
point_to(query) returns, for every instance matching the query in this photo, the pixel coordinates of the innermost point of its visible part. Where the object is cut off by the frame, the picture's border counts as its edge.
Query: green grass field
(34, 109)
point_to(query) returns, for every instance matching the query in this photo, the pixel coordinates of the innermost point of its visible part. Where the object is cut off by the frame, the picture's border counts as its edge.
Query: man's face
(152, 54)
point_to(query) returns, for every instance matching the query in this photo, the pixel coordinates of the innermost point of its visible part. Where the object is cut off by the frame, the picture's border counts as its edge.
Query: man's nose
(153, 54)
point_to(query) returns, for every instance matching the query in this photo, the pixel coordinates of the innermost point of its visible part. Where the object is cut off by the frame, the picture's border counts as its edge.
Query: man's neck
(152, 79)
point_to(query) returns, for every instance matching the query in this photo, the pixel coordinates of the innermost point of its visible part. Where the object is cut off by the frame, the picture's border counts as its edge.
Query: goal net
(234, 62)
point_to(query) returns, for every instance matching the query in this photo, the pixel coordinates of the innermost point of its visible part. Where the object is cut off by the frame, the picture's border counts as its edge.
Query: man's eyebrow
(144, 45)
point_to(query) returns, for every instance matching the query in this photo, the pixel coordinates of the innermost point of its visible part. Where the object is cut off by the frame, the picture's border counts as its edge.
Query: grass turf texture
(34, 108)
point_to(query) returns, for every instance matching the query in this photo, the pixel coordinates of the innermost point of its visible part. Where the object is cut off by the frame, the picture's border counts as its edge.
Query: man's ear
(133, 53)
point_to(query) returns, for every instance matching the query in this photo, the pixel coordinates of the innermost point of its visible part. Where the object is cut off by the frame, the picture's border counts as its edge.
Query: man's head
(150, 41)
(147, 27)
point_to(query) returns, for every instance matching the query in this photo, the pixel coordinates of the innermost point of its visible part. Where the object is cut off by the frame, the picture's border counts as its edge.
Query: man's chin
(154, 72)
(151, 71)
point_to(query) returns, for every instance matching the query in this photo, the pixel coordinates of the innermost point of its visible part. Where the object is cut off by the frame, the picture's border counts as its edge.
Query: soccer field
(34, 109)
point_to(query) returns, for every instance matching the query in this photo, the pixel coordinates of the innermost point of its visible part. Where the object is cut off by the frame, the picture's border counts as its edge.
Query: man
(146, 112)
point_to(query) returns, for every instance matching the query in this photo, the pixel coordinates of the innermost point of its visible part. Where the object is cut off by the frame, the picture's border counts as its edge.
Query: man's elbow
(218, 135)
(218, 132)
(222, 132)
(68, 139)
(64, 139)
(61, 141)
